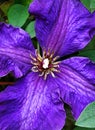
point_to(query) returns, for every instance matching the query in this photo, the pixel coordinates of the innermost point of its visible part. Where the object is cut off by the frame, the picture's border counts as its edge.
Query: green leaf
(24, 2)
(17, 15)
(5, 6)
(92, 5)
(90, 54)
(82, 128)
(30, 29)
(87, 117)
(86, 3)
(91, 45)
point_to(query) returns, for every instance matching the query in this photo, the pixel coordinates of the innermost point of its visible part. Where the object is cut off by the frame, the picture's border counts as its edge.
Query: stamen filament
(38, 56)
(41, 74)
(34, 63)
(53, 75)
(57, 57)
(32, 57)
(35, 69)
(46, 64)
(55, 63)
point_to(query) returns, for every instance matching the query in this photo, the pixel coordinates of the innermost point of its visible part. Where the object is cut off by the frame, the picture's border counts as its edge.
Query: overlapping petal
(15, 50)
(62, 26)
(77, 81)
(31, 104)
(83, 66)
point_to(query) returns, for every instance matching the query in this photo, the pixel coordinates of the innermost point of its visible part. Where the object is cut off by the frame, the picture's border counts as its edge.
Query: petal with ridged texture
(15, 50)
(77, 82)
(62, 26)
(32, 104)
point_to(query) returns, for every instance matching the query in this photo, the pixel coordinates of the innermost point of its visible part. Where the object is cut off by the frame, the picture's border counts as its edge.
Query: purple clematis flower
(35, 101)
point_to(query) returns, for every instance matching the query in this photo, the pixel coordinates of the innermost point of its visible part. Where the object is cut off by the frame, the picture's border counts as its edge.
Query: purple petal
(62, 26)
(15, 50)
(31, 104)
(83, 66)
(77, 81)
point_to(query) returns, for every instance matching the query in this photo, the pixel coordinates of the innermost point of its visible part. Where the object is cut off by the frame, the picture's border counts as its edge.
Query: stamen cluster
(45, 64)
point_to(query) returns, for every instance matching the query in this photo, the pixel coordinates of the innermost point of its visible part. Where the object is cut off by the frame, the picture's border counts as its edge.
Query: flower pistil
(45, 64)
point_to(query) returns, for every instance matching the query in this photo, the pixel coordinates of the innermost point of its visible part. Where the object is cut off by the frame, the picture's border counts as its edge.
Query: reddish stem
(6, 83)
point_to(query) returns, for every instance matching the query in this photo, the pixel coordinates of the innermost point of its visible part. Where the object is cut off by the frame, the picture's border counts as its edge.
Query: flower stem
(6, 83)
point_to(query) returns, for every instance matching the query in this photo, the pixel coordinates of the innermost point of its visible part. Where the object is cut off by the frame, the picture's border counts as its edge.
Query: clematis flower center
(45, 64)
